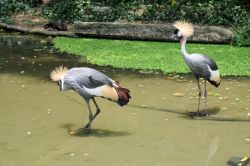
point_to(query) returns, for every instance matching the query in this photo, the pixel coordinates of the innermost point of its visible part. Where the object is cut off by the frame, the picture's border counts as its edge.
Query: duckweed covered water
(40, 126)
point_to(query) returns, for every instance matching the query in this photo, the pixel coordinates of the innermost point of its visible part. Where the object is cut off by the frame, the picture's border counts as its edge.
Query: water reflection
(212, 148)
(94, 133)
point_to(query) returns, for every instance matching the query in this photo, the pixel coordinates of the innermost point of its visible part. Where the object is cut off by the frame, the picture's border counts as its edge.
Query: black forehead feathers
(176, 31)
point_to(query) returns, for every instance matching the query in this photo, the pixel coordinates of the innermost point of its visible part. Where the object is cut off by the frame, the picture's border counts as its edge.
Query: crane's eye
(176, 31)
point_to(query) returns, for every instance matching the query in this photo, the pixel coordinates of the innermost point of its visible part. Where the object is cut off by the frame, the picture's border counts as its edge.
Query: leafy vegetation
(241, 35)
(161, 56)
(225, 12)
(65, 10)
(8, 7)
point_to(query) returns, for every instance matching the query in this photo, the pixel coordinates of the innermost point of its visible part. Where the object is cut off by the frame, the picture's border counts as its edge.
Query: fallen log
(155, 32)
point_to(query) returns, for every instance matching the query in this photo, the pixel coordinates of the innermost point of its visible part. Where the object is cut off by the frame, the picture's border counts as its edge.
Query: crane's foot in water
(87, 129)
(197, 114)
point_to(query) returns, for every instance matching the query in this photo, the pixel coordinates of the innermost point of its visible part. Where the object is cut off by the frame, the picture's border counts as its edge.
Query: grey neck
(183, 47)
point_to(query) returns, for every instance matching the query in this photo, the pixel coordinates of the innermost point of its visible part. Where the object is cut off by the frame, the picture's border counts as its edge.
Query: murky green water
(40, 126)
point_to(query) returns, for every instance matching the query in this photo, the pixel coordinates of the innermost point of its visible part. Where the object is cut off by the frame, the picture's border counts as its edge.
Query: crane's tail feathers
(123, 96)
(57, 73)
(185, 27)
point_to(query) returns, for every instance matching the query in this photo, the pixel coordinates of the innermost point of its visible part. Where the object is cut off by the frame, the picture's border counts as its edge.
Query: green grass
(162, 56)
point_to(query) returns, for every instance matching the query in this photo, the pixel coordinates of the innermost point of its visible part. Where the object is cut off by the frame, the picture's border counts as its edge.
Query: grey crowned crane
(200, 65)
(90, 83)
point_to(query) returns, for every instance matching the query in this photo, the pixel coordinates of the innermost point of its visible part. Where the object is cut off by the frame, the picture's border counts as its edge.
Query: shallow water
(40, 126)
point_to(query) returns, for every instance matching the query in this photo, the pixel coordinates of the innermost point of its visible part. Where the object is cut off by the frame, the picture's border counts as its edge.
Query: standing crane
(200, 65)
(90, 83)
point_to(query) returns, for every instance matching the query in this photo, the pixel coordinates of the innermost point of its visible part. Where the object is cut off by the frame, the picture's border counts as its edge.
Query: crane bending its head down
(90, 83)
(201, 66)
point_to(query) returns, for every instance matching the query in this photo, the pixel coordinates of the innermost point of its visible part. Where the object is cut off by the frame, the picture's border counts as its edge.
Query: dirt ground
(33, 20)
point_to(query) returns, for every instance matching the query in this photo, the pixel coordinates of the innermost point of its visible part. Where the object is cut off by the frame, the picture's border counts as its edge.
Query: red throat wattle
(181, 41)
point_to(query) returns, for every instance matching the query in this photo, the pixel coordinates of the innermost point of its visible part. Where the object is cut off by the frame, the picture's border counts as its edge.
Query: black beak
(174, 36)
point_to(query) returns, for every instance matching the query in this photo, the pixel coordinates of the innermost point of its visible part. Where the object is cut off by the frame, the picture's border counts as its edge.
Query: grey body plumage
(90, 83)
(200, 64)
(78, 79)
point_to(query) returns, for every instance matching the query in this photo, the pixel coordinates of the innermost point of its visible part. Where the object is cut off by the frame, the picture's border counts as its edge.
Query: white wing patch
(94, 91)
(215, 75)
(104, 91)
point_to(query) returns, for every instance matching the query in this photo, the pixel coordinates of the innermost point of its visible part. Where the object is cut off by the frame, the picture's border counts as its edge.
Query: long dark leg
(199, 100)
(97, 108)
(205, 95)
(88, 126)
(96, 113)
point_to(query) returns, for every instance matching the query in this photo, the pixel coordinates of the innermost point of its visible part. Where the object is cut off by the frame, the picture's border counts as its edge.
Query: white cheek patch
(179, 34)
(215, 75)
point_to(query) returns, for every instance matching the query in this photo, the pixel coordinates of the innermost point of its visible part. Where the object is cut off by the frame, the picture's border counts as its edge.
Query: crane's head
(183, 28)
(57, 75)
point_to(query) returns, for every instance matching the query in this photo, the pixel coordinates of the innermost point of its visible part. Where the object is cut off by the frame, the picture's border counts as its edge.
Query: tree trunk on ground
(158, 32)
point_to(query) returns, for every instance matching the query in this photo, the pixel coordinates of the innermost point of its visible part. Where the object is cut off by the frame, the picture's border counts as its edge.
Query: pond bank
(154, 56)
(146, 56)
